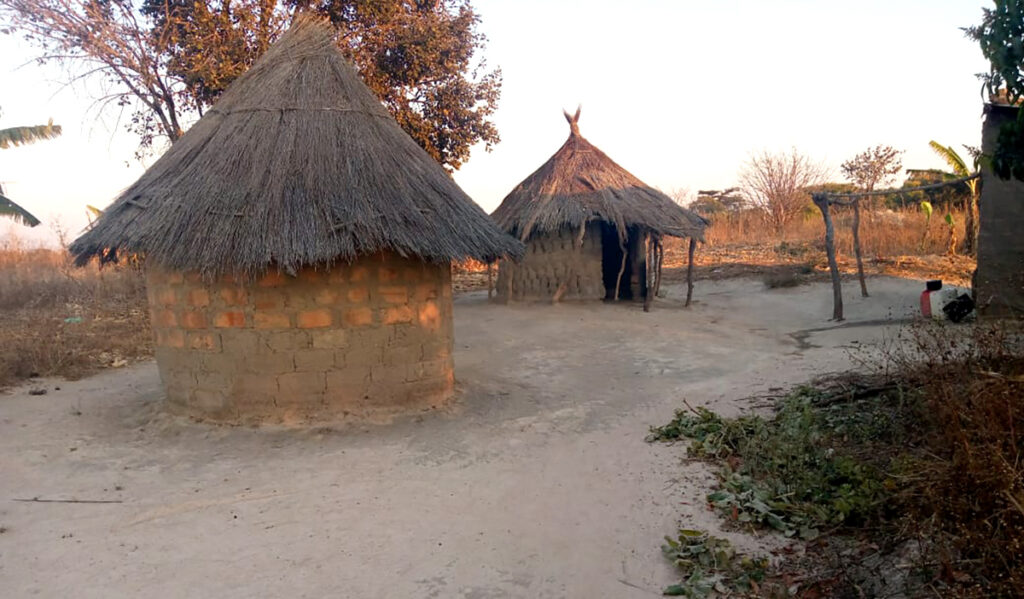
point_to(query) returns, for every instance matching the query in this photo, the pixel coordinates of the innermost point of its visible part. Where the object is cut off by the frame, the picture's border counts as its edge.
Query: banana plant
(958, 167)
(926, 207)
(951, 223)
(15, 212)
(12, 137)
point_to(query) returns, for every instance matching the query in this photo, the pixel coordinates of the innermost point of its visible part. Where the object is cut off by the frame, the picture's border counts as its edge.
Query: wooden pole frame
(689, 270)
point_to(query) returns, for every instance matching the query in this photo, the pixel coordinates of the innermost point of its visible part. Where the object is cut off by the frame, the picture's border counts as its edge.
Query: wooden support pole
(856, 248)
(821, 200)
(689, 270)
(622, 268)
(490, 279)
(649, 270)
(660, 256)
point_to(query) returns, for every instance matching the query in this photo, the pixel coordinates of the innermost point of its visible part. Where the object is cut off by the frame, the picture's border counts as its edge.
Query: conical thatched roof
(581, 183)
(298, 163)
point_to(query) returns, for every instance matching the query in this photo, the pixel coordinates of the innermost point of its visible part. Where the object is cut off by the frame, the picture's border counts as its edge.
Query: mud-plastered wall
(552, 259)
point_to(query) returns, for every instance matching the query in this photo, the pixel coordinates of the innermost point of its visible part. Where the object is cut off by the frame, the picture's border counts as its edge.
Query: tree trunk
(649, 269)
(689, 270)
(821, 201)
(856, 248)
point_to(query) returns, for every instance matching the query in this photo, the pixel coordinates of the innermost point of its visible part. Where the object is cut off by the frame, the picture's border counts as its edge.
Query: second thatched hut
(591, 228)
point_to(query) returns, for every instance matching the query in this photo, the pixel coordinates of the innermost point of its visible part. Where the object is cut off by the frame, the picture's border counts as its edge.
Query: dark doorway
(611, 263)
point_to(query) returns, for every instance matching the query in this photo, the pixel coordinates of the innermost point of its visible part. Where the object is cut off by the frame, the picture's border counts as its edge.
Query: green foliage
(1001, 38)
(790, 473)
(15, 212)
(714, 201)
(926, 207)
(167, 61)
(711, 564)
(19, 136)
(943, 196)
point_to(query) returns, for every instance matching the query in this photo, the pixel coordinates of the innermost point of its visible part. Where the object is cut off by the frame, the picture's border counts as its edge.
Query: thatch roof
(298, 163)
(580, 183)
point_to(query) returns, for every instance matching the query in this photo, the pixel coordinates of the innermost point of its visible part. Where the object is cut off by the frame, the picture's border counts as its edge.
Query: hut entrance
(628, 275)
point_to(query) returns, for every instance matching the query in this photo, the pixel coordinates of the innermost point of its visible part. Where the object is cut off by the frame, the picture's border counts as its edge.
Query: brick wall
(551, 259)
(999, 283)
(362, 341)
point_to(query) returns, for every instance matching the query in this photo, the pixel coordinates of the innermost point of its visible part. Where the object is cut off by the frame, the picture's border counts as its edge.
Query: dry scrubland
(59, 320)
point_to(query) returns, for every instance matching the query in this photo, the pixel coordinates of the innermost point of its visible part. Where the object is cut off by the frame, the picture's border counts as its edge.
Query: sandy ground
(537, 483)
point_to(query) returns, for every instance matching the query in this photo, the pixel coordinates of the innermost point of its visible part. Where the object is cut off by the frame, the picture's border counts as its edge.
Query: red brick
(166, 296)
(230, 319)
(193, 319)
(233, 296)
(174, 338)
(358, 274)
(393, 294)
(387, 274)
(165, 318)
(194, 278)
(430, 316)
(271, 320)
(425, 291)
(198, 297)
(174, 278)
(396, 315)
(358, 295)
(358, 317)
(268, 301)
(326, 297)
(314, 319)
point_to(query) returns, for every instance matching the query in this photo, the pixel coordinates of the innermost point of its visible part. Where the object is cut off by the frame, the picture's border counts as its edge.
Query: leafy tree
(165, 61)
(718, 201)
(777, 184)
(19, 136)
(872, 167)
(959, 169)
(1001, 38)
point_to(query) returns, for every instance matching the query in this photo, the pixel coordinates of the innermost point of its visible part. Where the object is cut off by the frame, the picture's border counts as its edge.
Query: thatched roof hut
(581, 194)
(297, 245)
(298, 163)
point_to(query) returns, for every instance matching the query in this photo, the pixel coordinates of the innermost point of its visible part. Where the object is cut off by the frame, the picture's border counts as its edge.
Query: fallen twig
(38, 500)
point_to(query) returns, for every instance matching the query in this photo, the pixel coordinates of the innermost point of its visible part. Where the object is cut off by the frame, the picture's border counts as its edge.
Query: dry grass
(56, 320)
(884, 233)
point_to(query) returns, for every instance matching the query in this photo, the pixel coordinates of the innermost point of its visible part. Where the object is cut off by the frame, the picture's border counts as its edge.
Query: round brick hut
(298, 247)
(592, 230)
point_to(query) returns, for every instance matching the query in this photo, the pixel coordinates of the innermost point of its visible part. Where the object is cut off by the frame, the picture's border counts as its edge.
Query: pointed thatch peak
(574, 120)
(297, 164)
(580, 183)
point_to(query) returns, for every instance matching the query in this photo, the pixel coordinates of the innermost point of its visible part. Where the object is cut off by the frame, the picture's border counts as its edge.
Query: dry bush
(57, 320)
(882, 233)
(965, 489)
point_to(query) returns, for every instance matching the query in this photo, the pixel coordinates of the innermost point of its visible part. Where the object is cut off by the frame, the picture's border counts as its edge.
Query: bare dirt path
(537, 483)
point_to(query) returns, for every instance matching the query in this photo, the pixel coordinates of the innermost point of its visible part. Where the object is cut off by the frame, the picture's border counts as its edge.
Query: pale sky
(678, 92)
